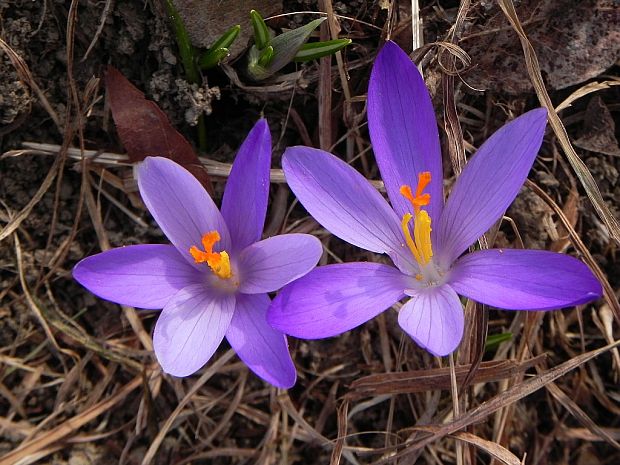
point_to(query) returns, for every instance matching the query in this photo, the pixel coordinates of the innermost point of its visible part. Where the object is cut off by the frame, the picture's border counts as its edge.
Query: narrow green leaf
(226, 39)
(261, 32)
(285, 47)
(314, 50)
(213, 57)
(186, 50)
(496, 339)
(265, 56)
(220, 48)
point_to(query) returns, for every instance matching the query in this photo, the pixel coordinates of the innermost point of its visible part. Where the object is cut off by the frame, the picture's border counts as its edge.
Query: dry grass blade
(513, 394)
(570, 405)
(490, 447)
(571, 434)
(69, 426)
(325, 86)
(436, 378)
(231, 410)
(209, 372)
(235, 452)
(453, 129)
(583, 91)
(343, 413)
(29, 299)
(109, 159)
(581, 170)
(287, 405)
(104, 244)
(104, 16)
(417, 37)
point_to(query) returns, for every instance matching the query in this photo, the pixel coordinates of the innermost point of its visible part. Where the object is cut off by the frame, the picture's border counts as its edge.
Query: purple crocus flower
(424, 238)
(214, 278)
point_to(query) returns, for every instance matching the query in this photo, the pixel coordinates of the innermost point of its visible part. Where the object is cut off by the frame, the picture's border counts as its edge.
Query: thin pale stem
(455, 407)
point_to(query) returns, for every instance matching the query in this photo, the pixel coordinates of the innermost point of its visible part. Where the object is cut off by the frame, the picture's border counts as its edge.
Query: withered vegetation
(78, 380)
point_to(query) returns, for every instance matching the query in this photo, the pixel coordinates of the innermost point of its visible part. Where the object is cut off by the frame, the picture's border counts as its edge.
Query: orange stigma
(420, 244)
(419, 199)
(219, 262)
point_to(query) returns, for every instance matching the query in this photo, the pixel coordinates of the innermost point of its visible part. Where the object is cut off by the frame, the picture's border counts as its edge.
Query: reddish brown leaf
(145, 130)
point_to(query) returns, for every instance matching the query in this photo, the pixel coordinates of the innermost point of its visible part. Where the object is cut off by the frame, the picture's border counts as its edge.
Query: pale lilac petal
(489, 183)
(403, 128)
(263, 349)
(434, 319)
(524, 279)
(333, 299)
(244, 204)
(344, 202)
(191, 328)
(180, 205)
(267, 265)
(143, 276)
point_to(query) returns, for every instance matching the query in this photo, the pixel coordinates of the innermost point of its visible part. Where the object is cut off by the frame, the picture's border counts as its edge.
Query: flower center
(420, 244)
(219, 262)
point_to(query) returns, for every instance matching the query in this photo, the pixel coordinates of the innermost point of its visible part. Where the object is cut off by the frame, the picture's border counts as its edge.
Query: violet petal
(190, 329)
(333, 299)
(143, 276)
(344, 202)
(524, 279)
(180, 205)
(244, 204)
(267, 265)
(434, 318)
(263, 349)
(489, 183)
(403, 128)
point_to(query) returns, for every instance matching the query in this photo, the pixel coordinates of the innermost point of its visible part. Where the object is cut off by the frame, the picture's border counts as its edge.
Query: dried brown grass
(368, 397)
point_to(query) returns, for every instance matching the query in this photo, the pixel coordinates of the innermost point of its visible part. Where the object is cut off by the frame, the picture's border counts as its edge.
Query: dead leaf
(145, 130)
(571, 212)
(599, 132)
(574, 41)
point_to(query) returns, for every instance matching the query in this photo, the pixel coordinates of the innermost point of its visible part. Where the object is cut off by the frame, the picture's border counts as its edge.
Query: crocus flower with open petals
(423, 237)
(214, 278)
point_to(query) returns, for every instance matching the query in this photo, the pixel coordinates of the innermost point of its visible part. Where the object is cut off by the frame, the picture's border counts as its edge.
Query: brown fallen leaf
(145, 130)
(599, 132)
(574, 41)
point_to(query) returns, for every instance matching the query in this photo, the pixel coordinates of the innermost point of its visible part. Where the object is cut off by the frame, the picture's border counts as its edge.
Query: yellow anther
(219, 262)
(422, 234)
(404, 224)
